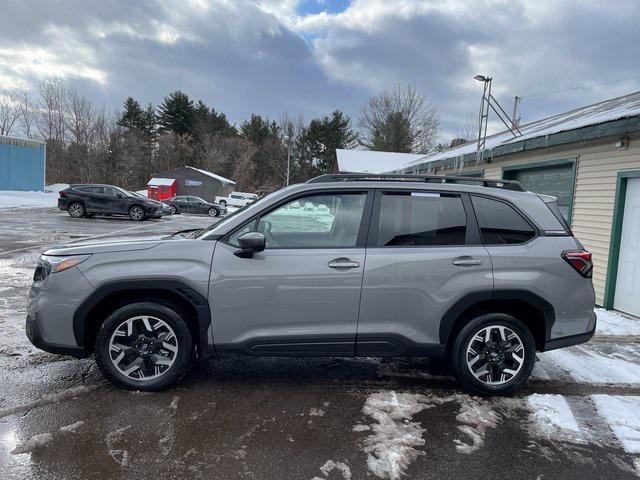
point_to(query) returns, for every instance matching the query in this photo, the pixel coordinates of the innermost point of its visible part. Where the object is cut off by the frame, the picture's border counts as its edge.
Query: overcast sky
(313, 56)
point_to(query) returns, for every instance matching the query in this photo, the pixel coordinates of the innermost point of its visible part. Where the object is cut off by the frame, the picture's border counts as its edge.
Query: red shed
(161, 188)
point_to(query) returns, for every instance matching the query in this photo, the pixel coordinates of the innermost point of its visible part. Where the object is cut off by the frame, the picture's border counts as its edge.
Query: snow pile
(391, 447)
(622, 413)
(142, 192)
(15, 199)
(587, 365)
(71, 428)
(34, 442)
(612, 323)
(330, 466)
(552, 419)
(51, 398)
(476, 416)
(56, 187)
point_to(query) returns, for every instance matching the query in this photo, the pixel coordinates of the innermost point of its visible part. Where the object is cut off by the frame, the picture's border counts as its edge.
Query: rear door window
(421, 219)
(500, 223)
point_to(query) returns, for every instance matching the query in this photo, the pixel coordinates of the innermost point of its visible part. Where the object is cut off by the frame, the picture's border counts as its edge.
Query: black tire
(76, 210)
(213, 212)
(171, 316)
(136, 213)
(174, 210)
(459, 355)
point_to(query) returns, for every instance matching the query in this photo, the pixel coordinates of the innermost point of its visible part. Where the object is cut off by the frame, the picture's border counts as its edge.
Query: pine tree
(176, 114)
(132, 116)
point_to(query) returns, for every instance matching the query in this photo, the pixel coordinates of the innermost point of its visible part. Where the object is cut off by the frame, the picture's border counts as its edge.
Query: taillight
(580, 260)
(63, 194)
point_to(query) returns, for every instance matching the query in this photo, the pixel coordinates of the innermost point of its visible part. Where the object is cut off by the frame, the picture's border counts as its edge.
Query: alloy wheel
(495, 355)
(143, 347)
(136, 213)
(213, 212)
(76, 210)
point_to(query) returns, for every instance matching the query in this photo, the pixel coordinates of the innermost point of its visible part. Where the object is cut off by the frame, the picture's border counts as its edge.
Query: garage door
(554, 180)
(627, 298)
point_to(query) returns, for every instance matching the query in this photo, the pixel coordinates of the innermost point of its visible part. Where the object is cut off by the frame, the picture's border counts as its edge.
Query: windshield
(249, 206)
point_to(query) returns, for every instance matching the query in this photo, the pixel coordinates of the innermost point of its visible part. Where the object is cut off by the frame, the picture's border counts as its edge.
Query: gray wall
(192, 182)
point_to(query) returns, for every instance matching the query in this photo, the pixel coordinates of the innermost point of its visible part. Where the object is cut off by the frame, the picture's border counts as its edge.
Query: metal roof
(613, 116)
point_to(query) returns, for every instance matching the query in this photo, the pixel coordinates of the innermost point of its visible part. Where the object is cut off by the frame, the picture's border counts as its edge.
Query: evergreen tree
(132, 116)
(176, 114)
(394, 135)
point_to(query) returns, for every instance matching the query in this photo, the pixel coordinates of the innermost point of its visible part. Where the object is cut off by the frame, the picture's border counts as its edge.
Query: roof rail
(364, 177)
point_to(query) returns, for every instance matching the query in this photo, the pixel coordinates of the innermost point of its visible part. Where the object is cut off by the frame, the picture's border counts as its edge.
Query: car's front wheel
(76, 210)
(136, 213)
(493, 354)
(223, 203)
(144, 346)
(213, 212)
(173, 209)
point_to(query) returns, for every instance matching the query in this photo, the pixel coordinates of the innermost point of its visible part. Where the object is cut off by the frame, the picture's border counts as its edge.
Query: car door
(116, 201)
(96, 200)
(181, 203)
(302, 293)
(423, 256)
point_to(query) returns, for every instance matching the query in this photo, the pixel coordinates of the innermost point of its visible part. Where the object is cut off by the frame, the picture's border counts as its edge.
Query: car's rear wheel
(493, 354)
(144, 346)
(136, 213)
(76, 210)
(213, 212)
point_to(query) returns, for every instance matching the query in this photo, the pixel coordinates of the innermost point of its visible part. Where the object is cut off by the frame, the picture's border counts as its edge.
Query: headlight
(52, 264)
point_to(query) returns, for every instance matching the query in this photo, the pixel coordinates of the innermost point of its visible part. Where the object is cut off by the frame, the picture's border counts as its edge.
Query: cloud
(272, 56)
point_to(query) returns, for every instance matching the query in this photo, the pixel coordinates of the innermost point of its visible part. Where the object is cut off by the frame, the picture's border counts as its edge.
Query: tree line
(86, 144)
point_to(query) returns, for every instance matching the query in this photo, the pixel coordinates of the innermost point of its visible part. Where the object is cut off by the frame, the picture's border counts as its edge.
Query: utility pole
(288, 158)
(515, 117)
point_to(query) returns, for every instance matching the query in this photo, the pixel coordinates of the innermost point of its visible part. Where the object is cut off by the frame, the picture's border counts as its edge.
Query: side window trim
(364, 222)
(472, 232)
(536, 231)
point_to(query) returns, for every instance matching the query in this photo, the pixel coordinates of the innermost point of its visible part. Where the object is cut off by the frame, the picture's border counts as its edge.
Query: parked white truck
(237, 199)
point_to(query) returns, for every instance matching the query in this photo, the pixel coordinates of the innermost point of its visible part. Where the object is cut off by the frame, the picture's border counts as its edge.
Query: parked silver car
(474, 270)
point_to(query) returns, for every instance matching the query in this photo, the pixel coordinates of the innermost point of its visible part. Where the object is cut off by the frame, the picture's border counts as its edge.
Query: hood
(109, 246)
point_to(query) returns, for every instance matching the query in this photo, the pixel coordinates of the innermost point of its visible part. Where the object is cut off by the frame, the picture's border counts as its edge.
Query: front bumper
(34, 335)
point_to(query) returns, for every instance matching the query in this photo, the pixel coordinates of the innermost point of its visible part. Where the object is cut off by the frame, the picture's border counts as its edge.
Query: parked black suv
(191, 204)
(89, 200)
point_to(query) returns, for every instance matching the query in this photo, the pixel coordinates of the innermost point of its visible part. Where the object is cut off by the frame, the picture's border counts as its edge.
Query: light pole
(288, 138)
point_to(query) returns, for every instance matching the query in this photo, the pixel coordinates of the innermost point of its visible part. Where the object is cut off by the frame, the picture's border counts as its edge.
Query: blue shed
(22, 164)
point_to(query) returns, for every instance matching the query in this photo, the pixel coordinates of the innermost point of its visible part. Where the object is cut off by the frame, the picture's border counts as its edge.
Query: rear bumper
(63, 203)
(34, 335)
(572, 339)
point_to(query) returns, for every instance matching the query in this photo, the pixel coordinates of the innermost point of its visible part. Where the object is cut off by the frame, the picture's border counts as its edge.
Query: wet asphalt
(255, 418)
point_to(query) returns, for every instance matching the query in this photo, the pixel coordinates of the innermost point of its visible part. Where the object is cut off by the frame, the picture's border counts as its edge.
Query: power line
(579, 87)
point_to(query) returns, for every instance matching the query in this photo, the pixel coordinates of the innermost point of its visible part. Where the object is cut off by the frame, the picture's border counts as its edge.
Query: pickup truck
(237, 199)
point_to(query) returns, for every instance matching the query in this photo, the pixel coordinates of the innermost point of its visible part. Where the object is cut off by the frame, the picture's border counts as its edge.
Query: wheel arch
(535, 312)
(105, 299)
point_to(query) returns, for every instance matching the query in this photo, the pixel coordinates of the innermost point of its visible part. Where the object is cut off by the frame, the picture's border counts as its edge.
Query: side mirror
(250, 243)
(119, 195)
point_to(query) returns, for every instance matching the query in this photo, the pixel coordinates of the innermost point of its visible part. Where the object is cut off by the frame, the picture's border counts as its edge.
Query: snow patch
(551, 418)
(476, 416)
(34, 442)
(361, 428)
(622, 413)
(47, 399)
(71, 428)
(391, 447)
(120, 455)
(316, 412)
(174, 403)
(18, 199)
(590, 366)
(612, 323)
(330, 466)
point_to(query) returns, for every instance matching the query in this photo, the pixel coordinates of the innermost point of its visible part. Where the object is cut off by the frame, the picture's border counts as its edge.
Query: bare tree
(399, 119)
(51, 121)
(79, 116)
(469, 128)
(9, 111)
(27, 114)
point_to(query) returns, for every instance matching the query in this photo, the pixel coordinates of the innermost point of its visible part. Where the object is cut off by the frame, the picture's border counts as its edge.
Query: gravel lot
(308, 418)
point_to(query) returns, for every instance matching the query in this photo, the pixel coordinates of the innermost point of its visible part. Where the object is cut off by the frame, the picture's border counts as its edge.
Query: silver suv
(473, 270)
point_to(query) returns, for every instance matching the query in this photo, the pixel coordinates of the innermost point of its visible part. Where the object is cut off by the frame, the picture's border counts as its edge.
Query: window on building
(421, 219)
(499, 223)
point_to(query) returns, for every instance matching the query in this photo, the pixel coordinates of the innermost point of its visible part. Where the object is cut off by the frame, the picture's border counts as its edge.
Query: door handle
(466, 261)
(343, 262)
